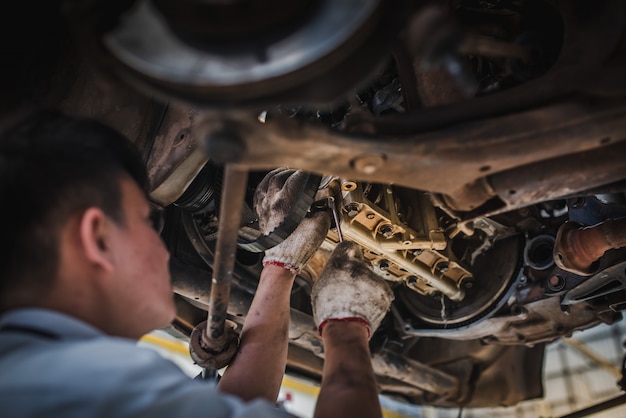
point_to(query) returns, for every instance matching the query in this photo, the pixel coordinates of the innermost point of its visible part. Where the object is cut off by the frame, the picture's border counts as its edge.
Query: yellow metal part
(383, 218)
(402, 246)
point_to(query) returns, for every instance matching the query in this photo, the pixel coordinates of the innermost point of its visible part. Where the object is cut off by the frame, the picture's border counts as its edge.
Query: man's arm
(258, 367)
(348, 383)
(349, 302)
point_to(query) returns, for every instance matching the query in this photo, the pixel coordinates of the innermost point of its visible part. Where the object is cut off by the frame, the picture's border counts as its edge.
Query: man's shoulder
(111, 377)
(99, 375)
(46, 347)
(109, 358)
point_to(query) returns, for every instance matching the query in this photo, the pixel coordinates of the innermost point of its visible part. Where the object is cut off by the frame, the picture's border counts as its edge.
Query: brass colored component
(348, 186)
(397, 251)
(383, 220)
(328, 189)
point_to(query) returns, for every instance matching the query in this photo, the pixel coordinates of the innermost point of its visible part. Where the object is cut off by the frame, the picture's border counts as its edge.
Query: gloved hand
(273, 199)
(348, 290)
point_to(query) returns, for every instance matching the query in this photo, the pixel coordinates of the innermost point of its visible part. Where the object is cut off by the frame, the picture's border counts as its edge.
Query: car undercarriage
(475, 150)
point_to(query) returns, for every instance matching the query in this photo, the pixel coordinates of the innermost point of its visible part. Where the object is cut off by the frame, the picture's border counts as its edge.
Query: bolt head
(556, 283)
(386, 230)
(411, 279)
(442, 267)
(352, 209)
(368, 163)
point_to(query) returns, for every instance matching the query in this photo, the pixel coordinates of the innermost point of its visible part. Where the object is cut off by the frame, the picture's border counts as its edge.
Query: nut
(386, 230)
(352, 209)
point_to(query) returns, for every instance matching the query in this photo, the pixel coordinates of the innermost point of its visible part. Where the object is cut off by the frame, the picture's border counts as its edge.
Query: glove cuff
(298, 248)
(282, 264)
(351, 319)
(347, 288)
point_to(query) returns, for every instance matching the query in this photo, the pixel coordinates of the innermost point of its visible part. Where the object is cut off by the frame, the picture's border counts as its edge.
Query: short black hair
(53, 166)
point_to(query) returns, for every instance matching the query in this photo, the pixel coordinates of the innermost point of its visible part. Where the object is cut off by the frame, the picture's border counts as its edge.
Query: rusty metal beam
(416, 374)
(235, 180)
(446, 161)
(213, 344)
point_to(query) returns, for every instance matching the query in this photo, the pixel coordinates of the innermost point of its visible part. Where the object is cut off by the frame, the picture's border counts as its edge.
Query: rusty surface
(303, 335)
(176, 157)
(507, 375)
(514, 376)
(213, 343)
(416, 374)
(440, 161)
(437, 87)
(234, 187)
(469, 140)
(173, 142)
(429, 31)
(578, 248)
(195, 284)
(218, 353)
(469, 152)
(565, 175)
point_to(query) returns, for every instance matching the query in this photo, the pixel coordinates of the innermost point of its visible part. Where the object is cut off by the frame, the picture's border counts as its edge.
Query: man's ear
(95, 238)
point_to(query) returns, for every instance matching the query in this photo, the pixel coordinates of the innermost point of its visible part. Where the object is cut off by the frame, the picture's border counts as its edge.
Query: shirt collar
(49, 321)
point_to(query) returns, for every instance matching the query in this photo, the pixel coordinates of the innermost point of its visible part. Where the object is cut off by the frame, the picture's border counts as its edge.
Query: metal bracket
(608, 281)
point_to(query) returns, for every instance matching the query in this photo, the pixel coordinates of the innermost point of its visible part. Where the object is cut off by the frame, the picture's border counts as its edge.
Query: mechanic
(83, 275)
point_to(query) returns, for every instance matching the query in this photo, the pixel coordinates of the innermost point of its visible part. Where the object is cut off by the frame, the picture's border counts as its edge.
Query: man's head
(64, 183)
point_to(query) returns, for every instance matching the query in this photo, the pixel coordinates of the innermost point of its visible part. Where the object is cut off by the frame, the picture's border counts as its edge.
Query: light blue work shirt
(53, 365)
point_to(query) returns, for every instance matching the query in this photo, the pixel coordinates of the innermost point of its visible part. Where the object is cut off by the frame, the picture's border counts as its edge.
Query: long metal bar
(599, 407)
(333, 207)
(388, 363)
(447, 286)
(233, 193)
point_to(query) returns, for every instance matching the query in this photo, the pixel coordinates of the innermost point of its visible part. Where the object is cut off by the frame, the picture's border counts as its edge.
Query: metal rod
(414, 373)
(333, 207)
(235, 181)
(445, 285)
(599, 407)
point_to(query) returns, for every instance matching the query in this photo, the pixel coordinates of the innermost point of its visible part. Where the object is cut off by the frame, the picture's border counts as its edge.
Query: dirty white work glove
(273, 200)
(348, 290)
